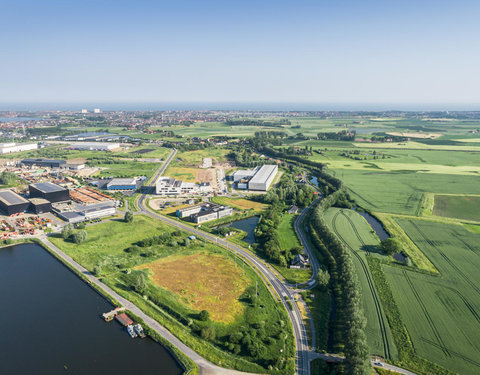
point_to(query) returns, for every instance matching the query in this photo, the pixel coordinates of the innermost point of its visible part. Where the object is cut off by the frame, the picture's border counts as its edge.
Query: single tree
(128, 217)
(323, 278)
(67, 231)
(391, 246)
(79, 236)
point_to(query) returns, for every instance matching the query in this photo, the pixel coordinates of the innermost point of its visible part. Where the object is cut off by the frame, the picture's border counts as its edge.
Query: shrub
(204, 315)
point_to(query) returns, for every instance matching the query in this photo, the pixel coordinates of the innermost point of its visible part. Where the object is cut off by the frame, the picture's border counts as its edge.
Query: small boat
(131, 331)
(139, 330)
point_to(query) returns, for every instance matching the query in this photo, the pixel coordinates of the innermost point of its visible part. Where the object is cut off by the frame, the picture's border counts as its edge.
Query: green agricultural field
(472, 228)
(417, 146)
(442, 313)
(286, 233)
(401, 192)
(457, 206)
(200, 276)
(356, 234)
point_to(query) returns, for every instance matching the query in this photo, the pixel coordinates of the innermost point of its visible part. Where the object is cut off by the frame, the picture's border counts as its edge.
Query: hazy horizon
(236, 106)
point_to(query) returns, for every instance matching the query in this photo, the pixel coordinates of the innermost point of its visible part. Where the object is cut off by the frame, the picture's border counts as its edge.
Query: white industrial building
(204, 212)
(94, 146)
(89, 213)
(259, 178)
(171, 187)
(7, 148)
(263, 178)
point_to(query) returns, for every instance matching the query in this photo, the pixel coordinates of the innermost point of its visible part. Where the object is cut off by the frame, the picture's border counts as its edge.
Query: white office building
(167, 186)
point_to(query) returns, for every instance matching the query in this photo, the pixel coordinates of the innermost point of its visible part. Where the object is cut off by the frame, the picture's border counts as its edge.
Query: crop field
(356, 234)
(404, 167)
(410, 145)
(239, 203)
(286, 233)
(401, 192)
(204, 282)
(442, 313)
(457, 206)
(472, 228)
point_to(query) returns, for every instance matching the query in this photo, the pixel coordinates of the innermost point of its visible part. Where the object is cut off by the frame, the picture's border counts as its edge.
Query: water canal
(51, 323)
(376, 226)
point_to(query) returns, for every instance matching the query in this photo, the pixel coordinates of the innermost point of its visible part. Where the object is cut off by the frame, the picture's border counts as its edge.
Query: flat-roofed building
(122, 184)
(205, 212)
(94, 146)
(7, 148)
(244, 174)
(40, 162)
(171, 187)
(40, 205)
(263, 178)
(12, 203)
(259, 178)
(49, 191)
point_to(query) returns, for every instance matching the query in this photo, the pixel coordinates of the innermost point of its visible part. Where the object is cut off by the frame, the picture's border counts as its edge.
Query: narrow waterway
(376, 226)
(51, 323)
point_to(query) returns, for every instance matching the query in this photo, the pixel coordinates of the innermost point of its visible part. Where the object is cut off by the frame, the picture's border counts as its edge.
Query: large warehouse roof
(48, 187)
(43, 161)
(122, 182)
(11, 198)
(263, 174)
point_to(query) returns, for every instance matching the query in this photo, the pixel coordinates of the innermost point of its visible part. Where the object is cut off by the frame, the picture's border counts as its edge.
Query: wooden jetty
(112, 314)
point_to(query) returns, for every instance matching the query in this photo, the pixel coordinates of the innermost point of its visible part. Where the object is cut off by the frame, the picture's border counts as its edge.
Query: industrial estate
(301, 243)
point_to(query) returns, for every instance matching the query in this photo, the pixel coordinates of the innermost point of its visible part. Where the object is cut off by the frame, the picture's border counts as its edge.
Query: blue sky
(334, 51)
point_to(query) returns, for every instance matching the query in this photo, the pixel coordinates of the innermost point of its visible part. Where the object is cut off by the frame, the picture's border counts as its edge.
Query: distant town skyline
(335, 55)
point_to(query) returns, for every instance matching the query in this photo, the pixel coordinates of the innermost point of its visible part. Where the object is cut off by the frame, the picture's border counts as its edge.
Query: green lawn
(286, 233)
(441, 313)
(458, 207)
(106, 241)
(357, 235)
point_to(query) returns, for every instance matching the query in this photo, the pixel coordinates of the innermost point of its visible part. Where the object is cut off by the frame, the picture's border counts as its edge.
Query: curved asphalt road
(272, 281)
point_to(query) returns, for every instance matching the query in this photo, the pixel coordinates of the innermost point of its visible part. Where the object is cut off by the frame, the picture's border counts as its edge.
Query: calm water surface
(50, 324)
(248, 226)
(376, 226)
